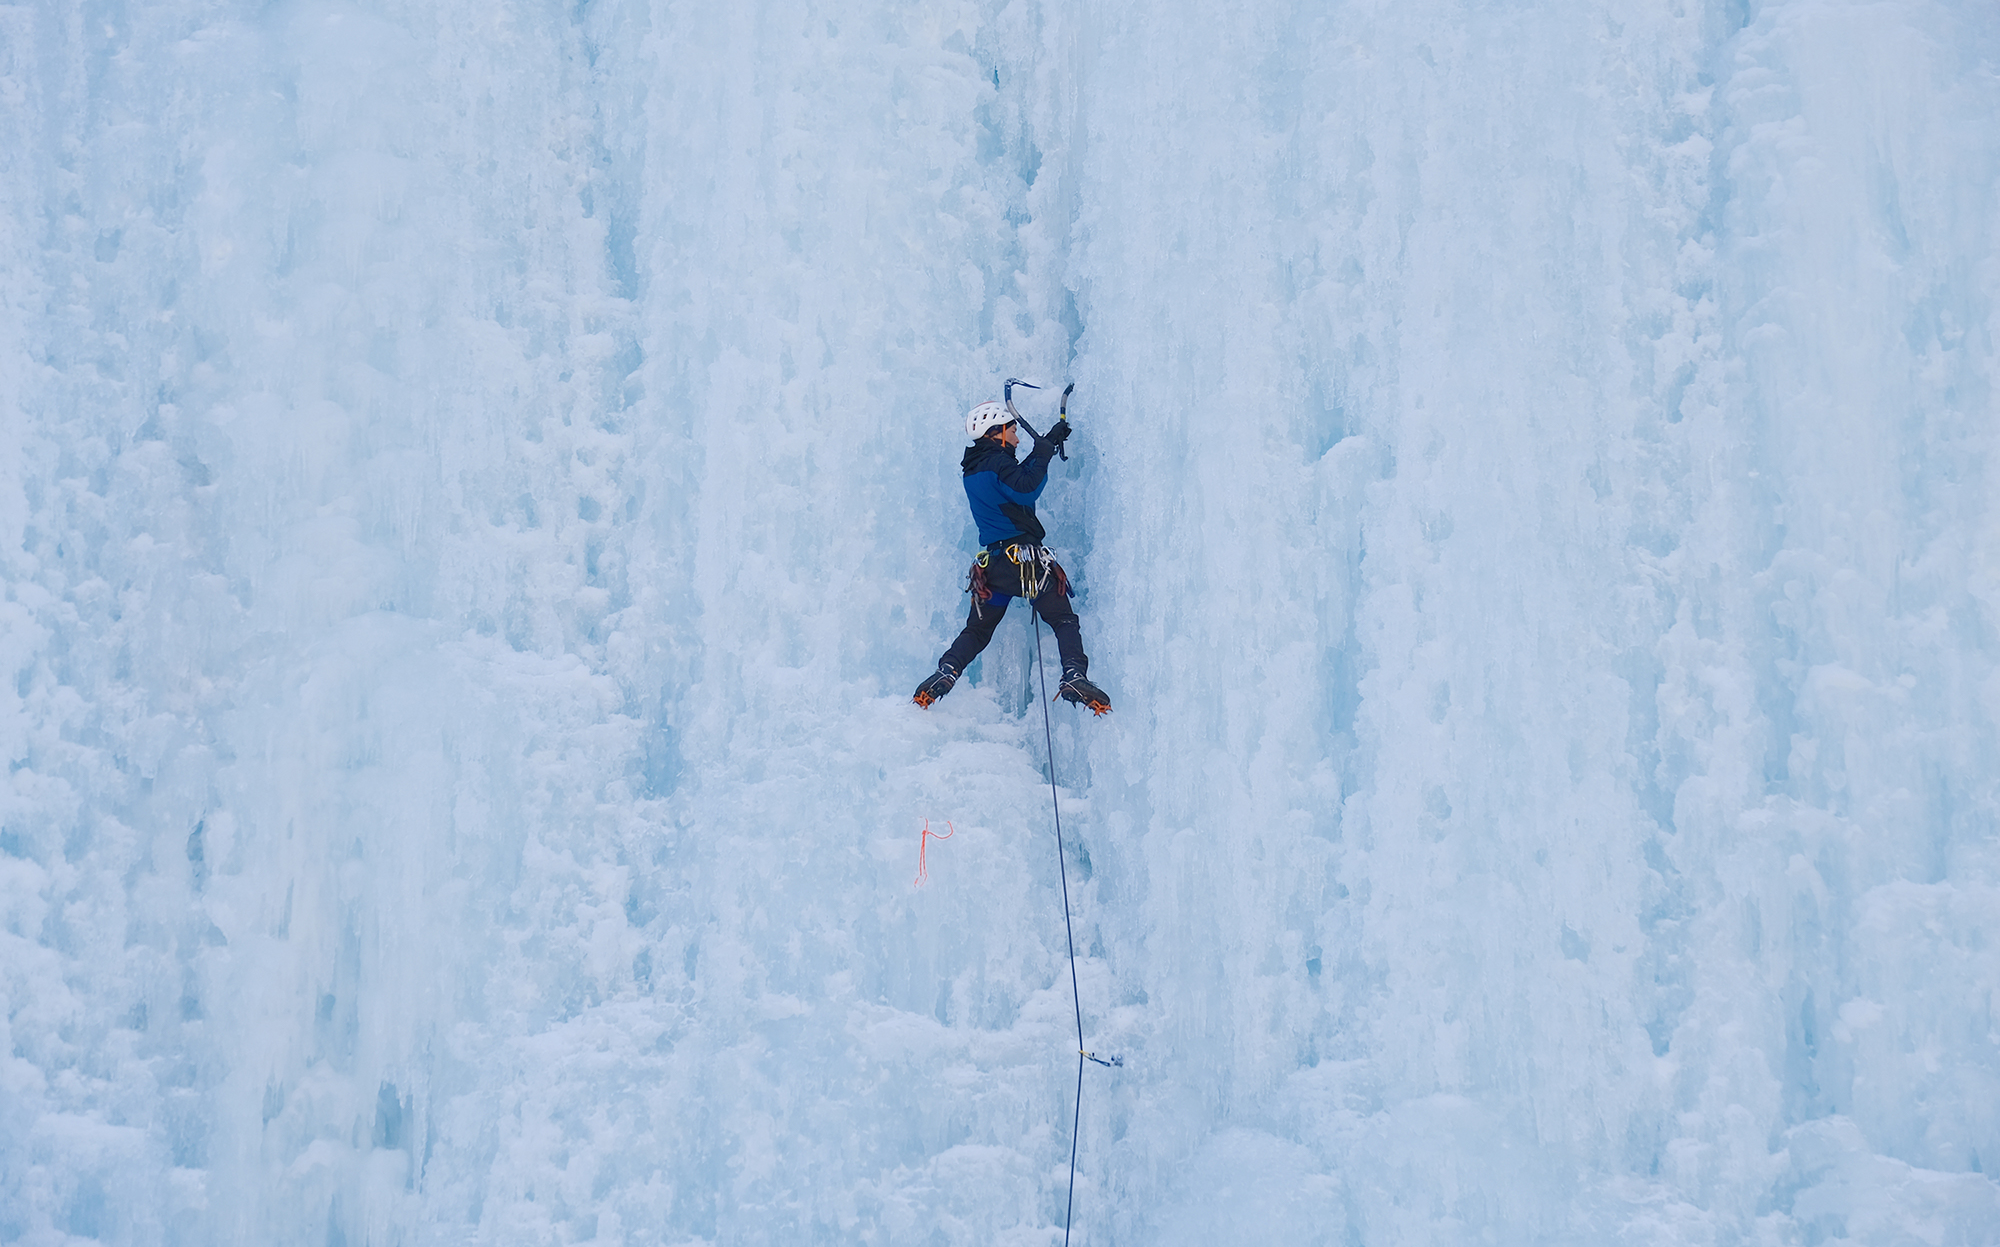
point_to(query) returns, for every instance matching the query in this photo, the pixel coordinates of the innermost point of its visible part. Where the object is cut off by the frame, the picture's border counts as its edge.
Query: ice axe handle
(1037, 436)
(1062, 413)
(1008, 393)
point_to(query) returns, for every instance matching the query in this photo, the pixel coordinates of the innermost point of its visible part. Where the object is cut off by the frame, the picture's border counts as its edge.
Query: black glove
(1058, 433)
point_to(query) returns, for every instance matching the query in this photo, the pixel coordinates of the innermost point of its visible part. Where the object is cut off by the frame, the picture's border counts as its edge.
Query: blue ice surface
(478, 482)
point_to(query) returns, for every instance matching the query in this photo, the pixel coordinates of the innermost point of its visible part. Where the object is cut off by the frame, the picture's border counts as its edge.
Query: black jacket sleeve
(1027, 476)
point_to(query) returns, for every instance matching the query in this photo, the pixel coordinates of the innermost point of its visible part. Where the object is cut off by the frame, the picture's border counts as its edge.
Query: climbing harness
(1035, 567)
(1069, 930)
(975, 584)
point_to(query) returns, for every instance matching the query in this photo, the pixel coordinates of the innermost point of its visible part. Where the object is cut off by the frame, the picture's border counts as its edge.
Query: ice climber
(1013, 561)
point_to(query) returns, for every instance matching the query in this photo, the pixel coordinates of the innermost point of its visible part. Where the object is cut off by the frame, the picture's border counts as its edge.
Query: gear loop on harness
(975, 584)
(1035, 569)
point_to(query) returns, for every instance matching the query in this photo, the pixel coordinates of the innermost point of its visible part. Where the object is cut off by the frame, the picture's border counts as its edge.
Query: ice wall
(477, 484)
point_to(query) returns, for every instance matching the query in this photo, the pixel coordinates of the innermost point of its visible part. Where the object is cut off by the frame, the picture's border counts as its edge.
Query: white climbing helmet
(984, 418)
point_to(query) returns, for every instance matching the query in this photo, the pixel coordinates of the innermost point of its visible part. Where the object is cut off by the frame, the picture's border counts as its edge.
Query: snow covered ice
(478, 483)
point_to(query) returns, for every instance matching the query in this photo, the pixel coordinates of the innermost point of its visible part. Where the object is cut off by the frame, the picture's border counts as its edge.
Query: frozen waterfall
(478, 482)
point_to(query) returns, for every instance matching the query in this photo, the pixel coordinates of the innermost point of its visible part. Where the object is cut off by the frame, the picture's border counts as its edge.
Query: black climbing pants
(1004, 579)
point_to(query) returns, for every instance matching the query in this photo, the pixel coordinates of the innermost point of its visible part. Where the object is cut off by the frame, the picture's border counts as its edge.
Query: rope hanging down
(1076, 996)
(923, 846)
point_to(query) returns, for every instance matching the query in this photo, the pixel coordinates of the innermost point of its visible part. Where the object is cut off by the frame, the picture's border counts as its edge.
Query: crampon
(936, 686)
(1075, 688)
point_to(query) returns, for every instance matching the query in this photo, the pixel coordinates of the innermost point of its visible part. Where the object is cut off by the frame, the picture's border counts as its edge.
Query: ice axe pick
(1008, 393)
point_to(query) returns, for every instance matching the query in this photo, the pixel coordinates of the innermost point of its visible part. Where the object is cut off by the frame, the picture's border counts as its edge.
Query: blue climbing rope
(1075, 995)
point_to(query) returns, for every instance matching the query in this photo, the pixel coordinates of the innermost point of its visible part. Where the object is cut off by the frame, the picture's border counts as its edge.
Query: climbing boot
(936, 686)
(1076, 689)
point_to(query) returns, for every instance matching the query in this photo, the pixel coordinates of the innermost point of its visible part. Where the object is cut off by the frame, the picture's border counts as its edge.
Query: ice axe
(1063, 414)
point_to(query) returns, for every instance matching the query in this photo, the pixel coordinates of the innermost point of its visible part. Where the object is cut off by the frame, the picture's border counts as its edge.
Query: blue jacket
(1003, 492)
